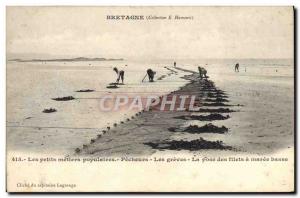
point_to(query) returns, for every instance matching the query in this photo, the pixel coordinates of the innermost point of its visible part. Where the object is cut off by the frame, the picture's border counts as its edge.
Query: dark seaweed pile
(193, 145)
(50, 110)
(210, 117)
(64, 98)
(85, 90)
(208, 128)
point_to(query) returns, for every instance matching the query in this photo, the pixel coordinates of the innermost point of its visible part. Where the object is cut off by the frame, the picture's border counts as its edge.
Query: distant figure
(120, 74)
(174, 64)
(236, 68)
(202, 72)
(151, 74)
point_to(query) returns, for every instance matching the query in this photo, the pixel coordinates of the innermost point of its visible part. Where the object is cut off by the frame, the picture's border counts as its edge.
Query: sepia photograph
(177, 98)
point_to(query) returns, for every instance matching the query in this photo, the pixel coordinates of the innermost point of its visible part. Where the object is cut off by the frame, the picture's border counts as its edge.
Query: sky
(214, 32)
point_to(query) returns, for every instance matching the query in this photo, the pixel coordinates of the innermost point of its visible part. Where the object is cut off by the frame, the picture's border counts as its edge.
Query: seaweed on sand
(215, 104)
(64, 98)
(212, 89)
(210, 117)
(112, 87)
(219, 110)
(193, 145)
(216, 95)
(208, 128)
(85, 90)
(216, 100)
(50, 110)
(116, 83)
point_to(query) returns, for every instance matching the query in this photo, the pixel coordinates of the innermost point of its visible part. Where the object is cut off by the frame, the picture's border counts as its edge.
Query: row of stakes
(84, 146)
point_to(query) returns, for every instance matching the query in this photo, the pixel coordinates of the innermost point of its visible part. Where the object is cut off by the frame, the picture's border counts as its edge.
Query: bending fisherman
(151, 74)
(202, 72)
(120, 75)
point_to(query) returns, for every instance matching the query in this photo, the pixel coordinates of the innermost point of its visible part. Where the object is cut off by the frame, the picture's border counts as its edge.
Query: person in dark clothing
(120, 74)
(174, 64)
(236, 68)
(151, 74)
(202, 72)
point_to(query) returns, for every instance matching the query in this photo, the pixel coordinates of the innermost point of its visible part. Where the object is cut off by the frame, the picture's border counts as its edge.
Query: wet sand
(236, 115)
(211, 129)
(61, 111)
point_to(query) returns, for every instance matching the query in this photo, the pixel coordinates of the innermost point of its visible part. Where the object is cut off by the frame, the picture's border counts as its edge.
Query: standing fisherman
(236, 68)
(120, 74)
(174, 64)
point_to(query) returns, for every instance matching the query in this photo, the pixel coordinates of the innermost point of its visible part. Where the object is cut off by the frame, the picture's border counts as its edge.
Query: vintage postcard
(150, 99)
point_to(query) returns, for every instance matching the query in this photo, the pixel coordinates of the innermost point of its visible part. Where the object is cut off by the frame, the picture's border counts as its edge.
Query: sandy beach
(235, 121)
(234, 126)
(76, 121)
